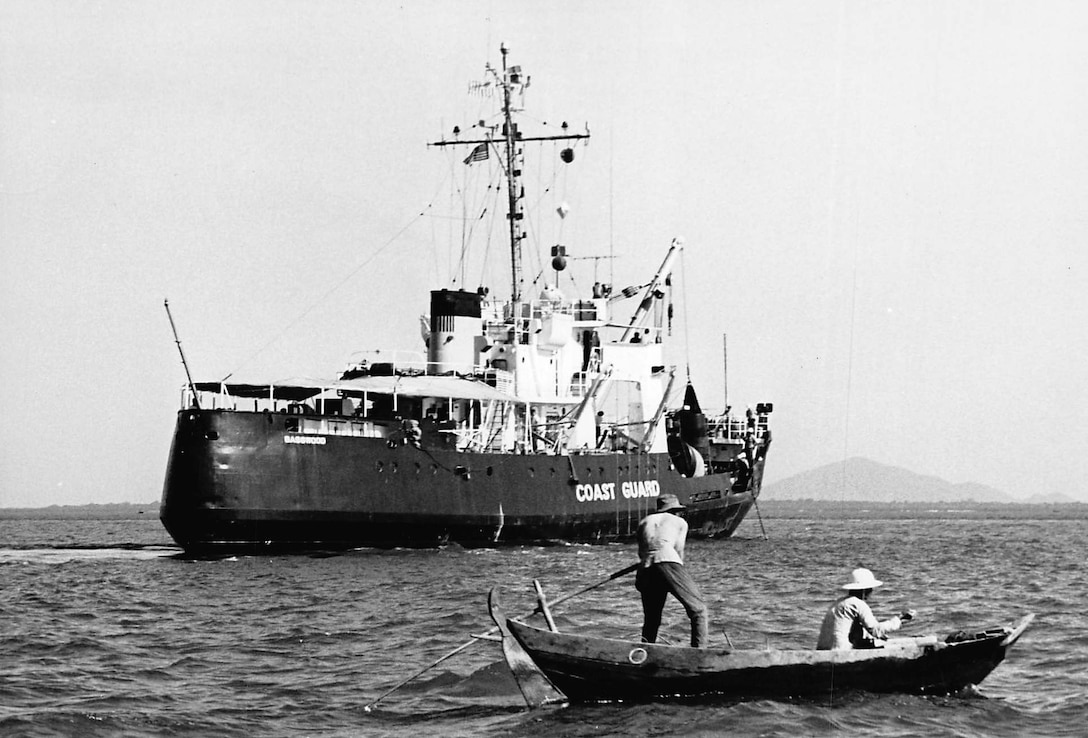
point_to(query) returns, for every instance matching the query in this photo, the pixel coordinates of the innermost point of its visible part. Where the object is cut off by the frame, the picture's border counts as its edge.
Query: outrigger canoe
(555, 667)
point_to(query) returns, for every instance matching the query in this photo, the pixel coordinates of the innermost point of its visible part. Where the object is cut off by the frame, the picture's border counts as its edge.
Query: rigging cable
(832, 208)
(495, 207)
(336, 286)
(466, 235)
(684, 309)
(850, 357)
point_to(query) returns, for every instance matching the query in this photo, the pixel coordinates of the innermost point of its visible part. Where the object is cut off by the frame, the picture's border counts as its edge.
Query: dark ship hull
(238, 481)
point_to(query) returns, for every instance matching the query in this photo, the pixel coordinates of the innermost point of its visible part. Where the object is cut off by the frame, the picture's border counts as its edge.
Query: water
(106, 631)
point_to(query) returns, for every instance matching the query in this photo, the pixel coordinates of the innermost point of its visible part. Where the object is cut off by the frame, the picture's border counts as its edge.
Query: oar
(616, 575)
(535, 686)
(621, 573)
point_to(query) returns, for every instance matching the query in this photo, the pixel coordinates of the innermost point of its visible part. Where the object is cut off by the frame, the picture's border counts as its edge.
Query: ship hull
(237, 481)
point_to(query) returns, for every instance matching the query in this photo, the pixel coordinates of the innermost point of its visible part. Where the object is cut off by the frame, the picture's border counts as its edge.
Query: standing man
(661, 538)
(850, 623)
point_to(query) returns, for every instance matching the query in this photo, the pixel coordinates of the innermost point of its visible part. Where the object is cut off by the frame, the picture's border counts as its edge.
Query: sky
(883, 206)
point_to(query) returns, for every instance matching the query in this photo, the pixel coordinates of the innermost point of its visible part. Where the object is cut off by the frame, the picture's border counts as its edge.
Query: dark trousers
(655, 583)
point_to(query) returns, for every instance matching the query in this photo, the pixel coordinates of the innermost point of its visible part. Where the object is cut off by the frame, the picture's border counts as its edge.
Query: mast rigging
(509, 79)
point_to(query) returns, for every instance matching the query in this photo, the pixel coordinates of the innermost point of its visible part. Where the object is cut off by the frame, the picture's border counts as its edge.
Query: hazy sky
(885, 207)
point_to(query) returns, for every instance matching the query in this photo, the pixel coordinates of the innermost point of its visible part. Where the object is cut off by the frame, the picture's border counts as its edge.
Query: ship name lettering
(633, 490)
(607, 490)
(305, 440)
(592, 492)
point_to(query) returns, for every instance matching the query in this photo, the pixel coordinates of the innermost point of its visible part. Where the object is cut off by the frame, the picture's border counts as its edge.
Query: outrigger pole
(192, 387)
(487, 636)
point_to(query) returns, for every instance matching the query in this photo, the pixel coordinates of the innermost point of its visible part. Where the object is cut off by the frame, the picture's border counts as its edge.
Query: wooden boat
(583, 668)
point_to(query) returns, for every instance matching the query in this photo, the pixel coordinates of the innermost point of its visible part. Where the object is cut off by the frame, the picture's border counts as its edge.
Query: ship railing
(379, 362)
(496, 312)
(223, 400)
(504, 381)
(330, 426)
(382, 363)
(731, 429)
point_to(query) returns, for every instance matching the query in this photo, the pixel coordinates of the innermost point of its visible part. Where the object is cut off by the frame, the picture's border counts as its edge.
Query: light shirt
(841, 618)
(661, 538)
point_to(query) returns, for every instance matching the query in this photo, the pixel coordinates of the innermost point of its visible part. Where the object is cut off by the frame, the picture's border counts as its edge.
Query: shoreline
(769, 508)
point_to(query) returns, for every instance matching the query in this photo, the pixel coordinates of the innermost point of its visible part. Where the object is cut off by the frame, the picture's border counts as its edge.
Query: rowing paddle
(616, 575)
(535, 686)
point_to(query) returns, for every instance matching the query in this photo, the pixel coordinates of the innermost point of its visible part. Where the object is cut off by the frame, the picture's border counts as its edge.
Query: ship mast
(510, 79)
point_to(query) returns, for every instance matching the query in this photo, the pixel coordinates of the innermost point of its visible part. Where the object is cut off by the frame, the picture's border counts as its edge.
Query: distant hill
(864, 480)
(108, 511)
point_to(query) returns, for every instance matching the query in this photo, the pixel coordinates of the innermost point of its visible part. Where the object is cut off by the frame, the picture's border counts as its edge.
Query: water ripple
(130, 639)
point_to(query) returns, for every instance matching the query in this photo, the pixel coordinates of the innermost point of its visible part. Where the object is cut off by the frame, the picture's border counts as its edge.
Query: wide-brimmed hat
(668, 502)
(862, 579)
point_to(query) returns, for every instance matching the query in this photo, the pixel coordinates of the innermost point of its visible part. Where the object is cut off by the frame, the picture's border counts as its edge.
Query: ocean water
(105, 630)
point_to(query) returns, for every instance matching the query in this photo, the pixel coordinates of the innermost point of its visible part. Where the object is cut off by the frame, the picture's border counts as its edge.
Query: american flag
(478, 154)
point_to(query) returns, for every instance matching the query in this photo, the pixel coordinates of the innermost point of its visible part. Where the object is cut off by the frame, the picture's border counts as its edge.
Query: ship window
(212, 435)
(291, 424)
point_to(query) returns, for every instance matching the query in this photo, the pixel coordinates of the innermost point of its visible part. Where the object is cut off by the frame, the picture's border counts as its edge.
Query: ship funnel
(455, 326)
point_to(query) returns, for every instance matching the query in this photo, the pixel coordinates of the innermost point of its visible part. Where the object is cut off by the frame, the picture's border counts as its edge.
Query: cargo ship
(539, 416)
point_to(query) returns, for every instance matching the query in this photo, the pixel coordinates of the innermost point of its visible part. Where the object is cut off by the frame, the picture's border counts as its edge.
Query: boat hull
(598, 669)
(239, 481)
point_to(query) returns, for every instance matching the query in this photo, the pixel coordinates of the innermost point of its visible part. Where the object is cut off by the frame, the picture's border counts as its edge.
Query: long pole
(511, 184)
(615, 575)
(725, 370)
(192, 387)
(755, 502)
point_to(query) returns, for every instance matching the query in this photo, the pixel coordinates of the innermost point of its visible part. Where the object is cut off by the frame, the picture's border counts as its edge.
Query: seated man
(850, 623)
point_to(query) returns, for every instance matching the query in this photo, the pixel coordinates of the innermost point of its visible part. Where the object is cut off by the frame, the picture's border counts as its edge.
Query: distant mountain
(106, 511)
(1049, 499)
(863, 480)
